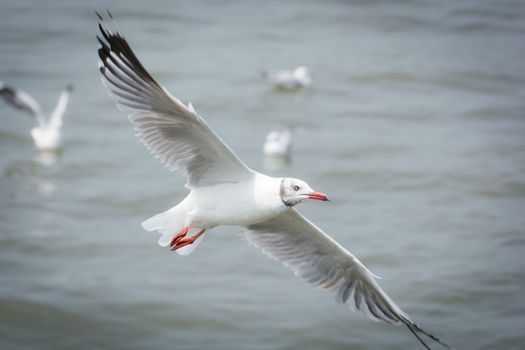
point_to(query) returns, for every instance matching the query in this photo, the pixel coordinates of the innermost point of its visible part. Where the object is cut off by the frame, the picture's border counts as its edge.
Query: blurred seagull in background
(278, 143)
(298, 78)
(46, 133)
(224, 191)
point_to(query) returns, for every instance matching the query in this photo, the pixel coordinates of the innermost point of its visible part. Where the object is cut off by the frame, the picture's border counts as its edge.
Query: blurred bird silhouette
(46, 134)
(278, 143)
(295, 79)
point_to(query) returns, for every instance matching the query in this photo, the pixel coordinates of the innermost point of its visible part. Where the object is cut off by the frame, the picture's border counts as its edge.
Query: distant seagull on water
(46, 133)
(224, 191)
(295, 79)
(278, 143)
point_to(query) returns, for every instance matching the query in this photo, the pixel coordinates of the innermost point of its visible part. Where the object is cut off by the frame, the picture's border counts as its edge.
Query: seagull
(295, 79)
(224, 191)
(46, 133)
(278, 143)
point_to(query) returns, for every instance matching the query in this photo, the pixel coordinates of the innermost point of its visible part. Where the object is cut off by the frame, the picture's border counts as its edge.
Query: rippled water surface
(415, 126)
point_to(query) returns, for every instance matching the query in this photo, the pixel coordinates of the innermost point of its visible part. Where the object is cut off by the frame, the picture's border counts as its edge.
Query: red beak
(318, 196)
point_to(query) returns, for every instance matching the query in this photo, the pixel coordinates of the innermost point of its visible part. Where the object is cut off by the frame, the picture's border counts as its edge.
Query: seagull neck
(281, 194)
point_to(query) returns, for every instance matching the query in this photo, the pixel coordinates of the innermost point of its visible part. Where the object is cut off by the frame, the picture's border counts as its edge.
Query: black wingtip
(414, 332)
(416, 329)
(7, 90)
(433, 337)
(105, 33)
(98, 15)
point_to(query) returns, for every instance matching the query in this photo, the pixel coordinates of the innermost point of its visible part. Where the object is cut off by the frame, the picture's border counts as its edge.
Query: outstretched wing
(21, 100)
(55, 119)
(173, 132)
(321, 262)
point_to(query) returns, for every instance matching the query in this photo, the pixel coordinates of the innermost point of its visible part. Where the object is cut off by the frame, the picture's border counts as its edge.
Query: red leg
(187, 240)
(179, 236)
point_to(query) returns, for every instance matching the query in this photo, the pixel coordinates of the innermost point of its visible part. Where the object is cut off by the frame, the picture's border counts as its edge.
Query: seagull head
(294, 191)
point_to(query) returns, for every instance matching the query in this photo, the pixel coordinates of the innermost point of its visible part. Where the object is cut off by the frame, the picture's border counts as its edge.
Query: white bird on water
(224, 191)
(294, 79)
(46, 134)
(278, 143)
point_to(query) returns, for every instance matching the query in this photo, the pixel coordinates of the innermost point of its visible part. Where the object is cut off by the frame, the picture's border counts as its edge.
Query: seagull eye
(295, 188)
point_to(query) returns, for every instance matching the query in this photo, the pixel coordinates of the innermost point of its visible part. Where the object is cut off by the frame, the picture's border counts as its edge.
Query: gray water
(414, 126)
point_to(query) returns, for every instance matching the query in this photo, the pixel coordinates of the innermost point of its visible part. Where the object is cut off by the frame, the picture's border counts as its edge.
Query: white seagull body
(278, 143)
(224, 191)
(46, 134)
(295, 79)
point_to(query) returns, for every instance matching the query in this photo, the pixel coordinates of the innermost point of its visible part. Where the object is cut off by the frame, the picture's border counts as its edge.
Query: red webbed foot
(184, 241)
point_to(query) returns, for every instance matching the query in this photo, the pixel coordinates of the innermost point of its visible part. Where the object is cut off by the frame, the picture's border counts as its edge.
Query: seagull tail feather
(167, 224)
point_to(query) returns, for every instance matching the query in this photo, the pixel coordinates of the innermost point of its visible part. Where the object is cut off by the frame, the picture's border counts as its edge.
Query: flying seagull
(297, 78)
(224, 191)
(46, 134)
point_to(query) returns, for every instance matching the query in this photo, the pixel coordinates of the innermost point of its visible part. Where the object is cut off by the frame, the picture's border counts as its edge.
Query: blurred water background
(415, 126)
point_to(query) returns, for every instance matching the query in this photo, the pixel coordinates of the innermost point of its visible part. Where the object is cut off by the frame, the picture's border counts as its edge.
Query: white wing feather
(321, 262)
(173, 132)
(22, 100)
(55, 119)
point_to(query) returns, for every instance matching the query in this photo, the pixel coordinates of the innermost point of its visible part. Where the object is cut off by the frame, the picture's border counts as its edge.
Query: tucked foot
(176, 238)
(184, 241)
